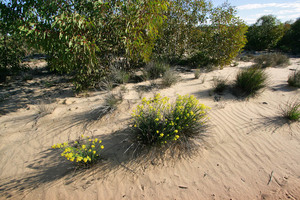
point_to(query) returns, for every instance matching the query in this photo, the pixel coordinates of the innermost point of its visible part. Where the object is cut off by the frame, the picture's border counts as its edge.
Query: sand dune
(250, 151)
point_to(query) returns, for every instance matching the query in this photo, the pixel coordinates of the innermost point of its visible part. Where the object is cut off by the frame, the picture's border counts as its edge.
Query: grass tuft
(291, 111)
(250, 81)
(294, 79)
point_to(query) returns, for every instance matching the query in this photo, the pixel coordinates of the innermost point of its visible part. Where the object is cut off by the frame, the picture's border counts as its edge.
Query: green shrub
(169, 78)
(84, 152)
(157, 122)
(292, 111)
(219, 85)
(154, 70)
(249, 81)
(294, 79)
(271, 60)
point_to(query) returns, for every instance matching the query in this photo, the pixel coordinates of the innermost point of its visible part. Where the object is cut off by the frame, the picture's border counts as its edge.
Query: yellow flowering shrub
(157, 121)
(84, 151)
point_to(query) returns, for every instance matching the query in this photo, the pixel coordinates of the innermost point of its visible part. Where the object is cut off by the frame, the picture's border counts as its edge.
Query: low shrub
(291, 111)
(158, 122)
(154, 70)
(169, 78)
(294, 79)
(197, 73)
(249, 81)
(84, 151)
(271, 60)
(219, 85)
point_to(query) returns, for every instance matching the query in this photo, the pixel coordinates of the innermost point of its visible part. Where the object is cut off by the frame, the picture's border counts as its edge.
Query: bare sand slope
(250, 152)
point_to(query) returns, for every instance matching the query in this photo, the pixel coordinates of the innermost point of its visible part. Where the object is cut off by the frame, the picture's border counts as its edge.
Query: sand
(250, 151)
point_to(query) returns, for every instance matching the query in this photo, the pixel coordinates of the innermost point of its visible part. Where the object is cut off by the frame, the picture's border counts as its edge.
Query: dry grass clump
(169, 78)
(219, 85)
(271, 60)
(294, 79)
(154, 70)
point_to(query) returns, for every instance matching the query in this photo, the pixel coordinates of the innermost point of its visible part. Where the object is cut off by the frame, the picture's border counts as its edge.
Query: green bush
(249, 81)
(294, 79)
(84, 152)
(292, 111)
(157, 122)
(271, 60)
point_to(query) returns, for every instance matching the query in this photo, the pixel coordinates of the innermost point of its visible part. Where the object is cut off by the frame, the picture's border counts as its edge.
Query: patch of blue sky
(250, 11)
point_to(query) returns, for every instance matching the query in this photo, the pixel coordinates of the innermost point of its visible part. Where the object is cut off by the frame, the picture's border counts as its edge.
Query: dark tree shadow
(32, 87)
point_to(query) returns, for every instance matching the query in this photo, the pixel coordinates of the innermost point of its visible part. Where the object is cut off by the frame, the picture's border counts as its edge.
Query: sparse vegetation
(249, 81)
(271, 60)
(158, 122)
(294, 79)
(291, 111)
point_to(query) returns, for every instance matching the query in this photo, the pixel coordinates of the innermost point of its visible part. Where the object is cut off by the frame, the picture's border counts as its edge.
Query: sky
(250, 11)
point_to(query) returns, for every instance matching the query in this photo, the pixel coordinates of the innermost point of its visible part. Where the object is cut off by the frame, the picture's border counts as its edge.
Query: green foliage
(169, 78)
(83, 37)
(291, 111)
(158, 122)
(291, 40)
(294, 79)
(271, 60)
(84, 152)
(249, 81)
(11, 44)
(265, 33)
(186, 34)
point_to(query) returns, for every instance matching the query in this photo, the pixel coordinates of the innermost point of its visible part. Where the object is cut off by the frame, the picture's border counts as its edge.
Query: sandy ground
(250, 151)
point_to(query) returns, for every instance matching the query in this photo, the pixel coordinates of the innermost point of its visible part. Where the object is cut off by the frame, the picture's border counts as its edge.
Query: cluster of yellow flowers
(85, 150)
(159, 121)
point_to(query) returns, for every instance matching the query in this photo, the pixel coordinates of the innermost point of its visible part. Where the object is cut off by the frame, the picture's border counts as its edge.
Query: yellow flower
(102, 147)
(161, 135)
(100, 141)
(90, 150)
(94, 152)
(176, 136)
(176, 131)
(157, 131)
(53, 146)
(96, 140)
(82, 135)
(83, 146)
(72, 159)
(156, 119)
(93, 146)
(90, 140)
(135, 125)
(85, 159)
